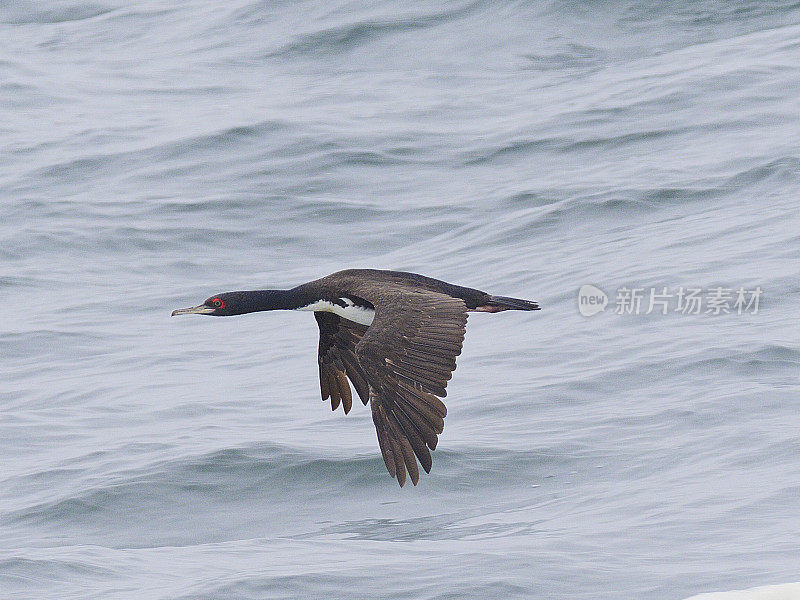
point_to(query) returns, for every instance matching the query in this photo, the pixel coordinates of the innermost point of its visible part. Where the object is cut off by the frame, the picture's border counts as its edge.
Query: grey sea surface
(154, 153)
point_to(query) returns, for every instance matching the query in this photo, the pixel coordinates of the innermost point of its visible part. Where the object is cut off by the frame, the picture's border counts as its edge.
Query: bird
(394, 335)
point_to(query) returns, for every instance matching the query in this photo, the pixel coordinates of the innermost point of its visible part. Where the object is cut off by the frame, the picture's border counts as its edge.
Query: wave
(98, 495)
(20, 13)
(338, 39)
(783, 591)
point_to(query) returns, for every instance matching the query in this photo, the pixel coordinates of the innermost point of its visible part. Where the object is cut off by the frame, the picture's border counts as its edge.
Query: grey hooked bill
(193, 310)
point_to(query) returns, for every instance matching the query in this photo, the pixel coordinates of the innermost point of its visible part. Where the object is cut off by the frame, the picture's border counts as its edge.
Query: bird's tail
(506, 303)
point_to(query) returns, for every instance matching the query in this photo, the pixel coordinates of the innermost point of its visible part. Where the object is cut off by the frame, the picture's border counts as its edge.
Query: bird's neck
(260, 300)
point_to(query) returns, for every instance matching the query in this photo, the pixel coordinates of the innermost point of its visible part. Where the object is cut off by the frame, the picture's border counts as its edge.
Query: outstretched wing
(410, 352)
(337, 360)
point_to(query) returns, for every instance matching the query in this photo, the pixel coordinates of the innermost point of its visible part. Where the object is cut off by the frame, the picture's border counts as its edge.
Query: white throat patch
(351, 312)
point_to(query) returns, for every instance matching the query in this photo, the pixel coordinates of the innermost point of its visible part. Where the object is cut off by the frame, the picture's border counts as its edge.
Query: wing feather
(337, 361)
(409, 354)
(400, 365)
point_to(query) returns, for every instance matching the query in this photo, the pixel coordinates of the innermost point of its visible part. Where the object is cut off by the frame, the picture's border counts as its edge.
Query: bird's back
(374, 281)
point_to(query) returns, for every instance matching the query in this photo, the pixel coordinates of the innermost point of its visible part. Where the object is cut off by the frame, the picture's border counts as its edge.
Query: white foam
(784, 591)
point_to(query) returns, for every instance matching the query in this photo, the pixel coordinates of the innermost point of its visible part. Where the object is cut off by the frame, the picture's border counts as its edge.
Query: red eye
(218, 303)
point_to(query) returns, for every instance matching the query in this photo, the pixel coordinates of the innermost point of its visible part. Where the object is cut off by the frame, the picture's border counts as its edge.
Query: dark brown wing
(410, 352)
(337, 360)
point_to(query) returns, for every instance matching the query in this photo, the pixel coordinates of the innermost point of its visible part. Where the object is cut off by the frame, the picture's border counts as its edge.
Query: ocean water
(154, 153)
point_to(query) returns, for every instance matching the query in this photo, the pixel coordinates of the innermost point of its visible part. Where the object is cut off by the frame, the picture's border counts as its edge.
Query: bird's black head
(239, 303)
(219, 305)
